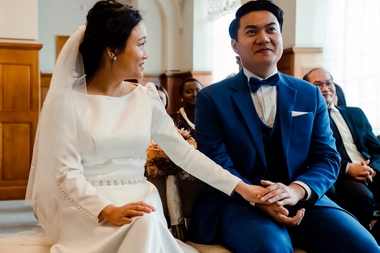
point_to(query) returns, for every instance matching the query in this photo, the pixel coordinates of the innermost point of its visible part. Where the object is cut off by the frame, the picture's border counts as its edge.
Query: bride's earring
(114, 58)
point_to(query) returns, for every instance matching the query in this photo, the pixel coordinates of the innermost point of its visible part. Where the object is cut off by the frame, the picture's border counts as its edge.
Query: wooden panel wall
(298, 61)
(45, 84)
(60, 41)
(19, 109)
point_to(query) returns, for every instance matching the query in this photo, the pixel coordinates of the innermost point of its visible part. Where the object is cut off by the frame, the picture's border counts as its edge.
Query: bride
(87, 183)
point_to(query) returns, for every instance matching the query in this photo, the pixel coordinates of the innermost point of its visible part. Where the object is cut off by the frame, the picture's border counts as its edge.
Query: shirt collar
(249, 74)
(333, 108)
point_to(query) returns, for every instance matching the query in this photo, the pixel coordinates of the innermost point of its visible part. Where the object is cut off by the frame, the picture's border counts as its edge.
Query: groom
(272, 130)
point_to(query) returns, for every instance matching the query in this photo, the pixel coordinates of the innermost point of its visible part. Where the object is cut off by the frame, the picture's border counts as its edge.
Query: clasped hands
(272, 197)
(361, 172)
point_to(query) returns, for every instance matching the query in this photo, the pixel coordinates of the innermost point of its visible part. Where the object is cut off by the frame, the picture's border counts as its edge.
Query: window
(224, 56)
(221, 13)
(351, 53)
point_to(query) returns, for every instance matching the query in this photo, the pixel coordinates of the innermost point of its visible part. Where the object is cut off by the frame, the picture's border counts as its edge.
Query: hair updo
(109, 24)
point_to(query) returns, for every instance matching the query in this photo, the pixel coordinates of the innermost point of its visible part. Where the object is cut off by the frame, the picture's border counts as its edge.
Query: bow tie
(255, 83)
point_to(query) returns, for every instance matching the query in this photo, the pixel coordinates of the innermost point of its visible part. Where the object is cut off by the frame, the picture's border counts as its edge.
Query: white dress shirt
(345, 133)
(265, 99)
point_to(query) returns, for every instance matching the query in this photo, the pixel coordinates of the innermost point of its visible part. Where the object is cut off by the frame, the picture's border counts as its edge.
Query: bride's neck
(104, 85)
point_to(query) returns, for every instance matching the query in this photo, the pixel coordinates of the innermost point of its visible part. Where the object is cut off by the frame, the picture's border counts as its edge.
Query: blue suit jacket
(228, 131)
(364, 139)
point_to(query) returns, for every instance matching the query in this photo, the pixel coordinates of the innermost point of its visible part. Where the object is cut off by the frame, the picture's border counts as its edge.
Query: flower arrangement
(158, 163)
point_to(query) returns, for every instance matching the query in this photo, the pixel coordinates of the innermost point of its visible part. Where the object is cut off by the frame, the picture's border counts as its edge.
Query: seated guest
(184, 117)
(163, 94)
(357, 187)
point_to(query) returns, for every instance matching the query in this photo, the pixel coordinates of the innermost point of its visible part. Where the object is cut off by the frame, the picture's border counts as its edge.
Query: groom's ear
(234, 46)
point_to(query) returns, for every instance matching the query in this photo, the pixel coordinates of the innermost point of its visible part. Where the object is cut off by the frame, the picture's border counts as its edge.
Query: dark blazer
(364, 139)
(180, 122)
(228, 131)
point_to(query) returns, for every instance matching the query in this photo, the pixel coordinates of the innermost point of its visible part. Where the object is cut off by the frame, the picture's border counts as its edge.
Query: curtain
(351, 53)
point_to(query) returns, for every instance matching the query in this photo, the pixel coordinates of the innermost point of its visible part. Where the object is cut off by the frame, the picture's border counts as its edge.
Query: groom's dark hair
(258, 5)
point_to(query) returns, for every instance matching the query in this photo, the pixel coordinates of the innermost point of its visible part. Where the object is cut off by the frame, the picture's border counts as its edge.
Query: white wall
(19, 19)
(310, 25)
(203, 40)
(288, 29)
(154, 21)
(188, 35)
(58, 17)
(62, 17)
(303, 22)
(180, 38)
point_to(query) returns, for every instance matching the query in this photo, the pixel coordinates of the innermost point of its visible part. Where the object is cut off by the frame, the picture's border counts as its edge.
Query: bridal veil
(43, 192)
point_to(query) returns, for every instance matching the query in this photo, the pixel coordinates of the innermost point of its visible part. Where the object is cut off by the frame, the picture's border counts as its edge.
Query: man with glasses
(357, 187)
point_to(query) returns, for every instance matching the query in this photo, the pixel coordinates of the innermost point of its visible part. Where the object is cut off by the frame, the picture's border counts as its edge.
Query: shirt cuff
(347, 166)
(307, 189)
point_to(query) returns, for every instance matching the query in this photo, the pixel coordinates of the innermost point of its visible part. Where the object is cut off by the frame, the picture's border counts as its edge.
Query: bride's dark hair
(109, 24)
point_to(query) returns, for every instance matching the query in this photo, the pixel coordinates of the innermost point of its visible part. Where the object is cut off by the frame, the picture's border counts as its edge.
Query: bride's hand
(251, 193)
(120, 215)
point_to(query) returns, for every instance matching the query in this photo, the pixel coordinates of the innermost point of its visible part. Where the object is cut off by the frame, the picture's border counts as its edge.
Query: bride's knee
(147, 220)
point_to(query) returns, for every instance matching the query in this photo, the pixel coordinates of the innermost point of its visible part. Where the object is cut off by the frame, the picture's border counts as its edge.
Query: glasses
(327, 83)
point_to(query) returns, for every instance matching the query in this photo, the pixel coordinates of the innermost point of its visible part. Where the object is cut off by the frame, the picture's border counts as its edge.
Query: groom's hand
(280, 214)
(282, 194)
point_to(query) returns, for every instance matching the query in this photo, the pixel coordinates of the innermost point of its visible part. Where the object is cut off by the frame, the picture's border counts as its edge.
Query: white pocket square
(295, 113)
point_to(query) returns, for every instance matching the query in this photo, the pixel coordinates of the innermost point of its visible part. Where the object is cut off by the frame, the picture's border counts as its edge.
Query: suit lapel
(285, 105)
(243, 100)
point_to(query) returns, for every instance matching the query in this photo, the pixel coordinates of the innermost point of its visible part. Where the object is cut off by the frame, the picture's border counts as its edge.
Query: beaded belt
(117, 182)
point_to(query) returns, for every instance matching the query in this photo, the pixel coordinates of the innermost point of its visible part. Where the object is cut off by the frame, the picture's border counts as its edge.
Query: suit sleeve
(343, 168)
(323, 163)
(363, 136)
(372, 145)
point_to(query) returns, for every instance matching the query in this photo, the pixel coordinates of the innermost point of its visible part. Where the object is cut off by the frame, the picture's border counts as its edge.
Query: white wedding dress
(100, 148)
(112, 172)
